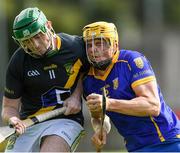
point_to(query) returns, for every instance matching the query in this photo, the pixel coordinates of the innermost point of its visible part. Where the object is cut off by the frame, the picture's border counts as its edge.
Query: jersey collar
(115, 58)
(58, 42)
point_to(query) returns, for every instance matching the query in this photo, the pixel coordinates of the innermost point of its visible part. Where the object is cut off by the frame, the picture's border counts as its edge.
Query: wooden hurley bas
(7, 131)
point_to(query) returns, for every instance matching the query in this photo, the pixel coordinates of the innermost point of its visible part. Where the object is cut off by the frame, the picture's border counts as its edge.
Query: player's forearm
(10, 108)
(139, 106)
(7, 113)
(96, 124)
(79, 89)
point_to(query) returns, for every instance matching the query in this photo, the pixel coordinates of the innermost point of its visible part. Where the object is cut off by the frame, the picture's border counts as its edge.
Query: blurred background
(149, 26)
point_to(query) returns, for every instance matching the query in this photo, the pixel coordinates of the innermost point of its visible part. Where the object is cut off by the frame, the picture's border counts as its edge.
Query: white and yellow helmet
(101, 30)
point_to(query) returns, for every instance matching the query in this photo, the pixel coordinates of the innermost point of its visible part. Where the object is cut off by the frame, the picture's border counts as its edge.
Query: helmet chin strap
(103, 64)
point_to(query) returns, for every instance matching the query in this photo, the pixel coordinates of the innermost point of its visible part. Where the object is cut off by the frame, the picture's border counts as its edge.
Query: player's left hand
(99, 140)
(18, 124)
(73, 105)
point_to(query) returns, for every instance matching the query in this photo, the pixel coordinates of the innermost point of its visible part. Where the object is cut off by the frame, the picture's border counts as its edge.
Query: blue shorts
(172, 145)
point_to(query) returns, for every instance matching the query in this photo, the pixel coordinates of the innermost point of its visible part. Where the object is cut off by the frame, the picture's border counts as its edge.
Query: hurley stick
(103, 113)
(7, 131)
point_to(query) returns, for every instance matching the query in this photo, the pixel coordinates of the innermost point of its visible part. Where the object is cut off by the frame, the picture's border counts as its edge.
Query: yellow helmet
(98, 29)
(104, 32)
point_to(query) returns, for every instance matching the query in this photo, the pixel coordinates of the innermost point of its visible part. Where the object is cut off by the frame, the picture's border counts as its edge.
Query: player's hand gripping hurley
(103, 113)
(7, 131)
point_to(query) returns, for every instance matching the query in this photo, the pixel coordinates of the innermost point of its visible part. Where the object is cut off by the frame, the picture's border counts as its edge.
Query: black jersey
(43, 84)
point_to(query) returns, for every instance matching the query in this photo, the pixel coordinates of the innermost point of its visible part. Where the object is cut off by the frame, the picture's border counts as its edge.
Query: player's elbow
(156, 109)
(155, 112)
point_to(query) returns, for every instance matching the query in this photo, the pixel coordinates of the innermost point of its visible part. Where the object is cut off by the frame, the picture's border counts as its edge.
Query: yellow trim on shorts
(142, 81)
(76, 141)
(158, 130)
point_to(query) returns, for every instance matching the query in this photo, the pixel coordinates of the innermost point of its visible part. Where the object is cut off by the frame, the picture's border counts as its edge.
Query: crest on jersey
(69, 68)
(115, 83)
(139, 62)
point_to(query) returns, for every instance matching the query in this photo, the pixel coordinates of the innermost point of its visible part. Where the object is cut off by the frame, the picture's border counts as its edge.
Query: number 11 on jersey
(52, 74)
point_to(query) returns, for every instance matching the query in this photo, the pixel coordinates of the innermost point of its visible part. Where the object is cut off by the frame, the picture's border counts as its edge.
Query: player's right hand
(99, 139)
(73, 105)
(18, 124)
(94, 104)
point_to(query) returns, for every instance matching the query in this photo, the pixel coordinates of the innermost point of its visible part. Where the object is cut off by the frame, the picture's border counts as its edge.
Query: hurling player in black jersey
(43, 74)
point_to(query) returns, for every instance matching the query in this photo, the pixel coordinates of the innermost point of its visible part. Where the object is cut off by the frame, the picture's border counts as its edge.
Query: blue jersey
(128, 70)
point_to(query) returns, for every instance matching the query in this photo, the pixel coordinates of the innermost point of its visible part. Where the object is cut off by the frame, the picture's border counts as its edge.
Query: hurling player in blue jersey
(134, 101)
(44, 74)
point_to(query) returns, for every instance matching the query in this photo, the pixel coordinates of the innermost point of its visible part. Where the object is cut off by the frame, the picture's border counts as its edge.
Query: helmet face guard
(99, 52)
(100, 39)
(37, 45)
(29, 24)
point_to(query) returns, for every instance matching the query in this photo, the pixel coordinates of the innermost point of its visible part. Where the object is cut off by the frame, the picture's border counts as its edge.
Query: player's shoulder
(18, 55)
(129, 55)
(17, 59)
(70, 39)
(72, 43)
